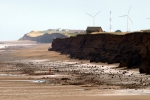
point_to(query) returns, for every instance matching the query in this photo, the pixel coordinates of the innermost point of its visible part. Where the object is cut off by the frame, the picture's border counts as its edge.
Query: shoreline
(65, 71)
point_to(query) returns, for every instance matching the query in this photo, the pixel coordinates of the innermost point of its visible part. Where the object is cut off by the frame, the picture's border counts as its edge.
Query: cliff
(130, 50)
(45, 38)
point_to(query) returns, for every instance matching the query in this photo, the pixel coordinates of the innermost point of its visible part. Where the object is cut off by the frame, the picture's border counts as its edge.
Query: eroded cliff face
(130, 50)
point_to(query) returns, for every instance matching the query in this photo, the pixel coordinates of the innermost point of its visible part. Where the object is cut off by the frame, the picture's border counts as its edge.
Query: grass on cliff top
(68, 34)
(121, 33)
(72, 34)
(146, 31)
(114, 33)
(39, 33)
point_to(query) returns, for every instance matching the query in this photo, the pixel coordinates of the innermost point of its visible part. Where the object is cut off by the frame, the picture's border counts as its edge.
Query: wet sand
(69, 79)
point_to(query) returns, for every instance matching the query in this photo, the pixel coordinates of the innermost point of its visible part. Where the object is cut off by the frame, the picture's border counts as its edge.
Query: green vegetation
(118, 31)
(39, 33)
(146, 31)
(71, 34)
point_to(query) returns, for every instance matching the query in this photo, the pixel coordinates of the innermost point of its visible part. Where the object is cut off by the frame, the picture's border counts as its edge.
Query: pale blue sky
(18, 17)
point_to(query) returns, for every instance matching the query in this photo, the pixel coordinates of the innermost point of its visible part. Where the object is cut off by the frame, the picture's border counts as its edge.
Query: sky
(18, 17)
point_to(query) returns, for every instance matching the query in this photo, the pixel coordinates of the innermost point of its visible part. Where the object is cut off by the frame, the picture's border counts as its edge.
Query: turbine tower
(93, 17)
(110, 22)
(128, 17)
(147, 18)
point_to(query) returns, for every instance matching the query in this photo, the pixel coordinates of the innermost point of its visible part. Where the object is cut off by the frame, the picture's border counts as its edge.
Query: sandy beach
(28, 71)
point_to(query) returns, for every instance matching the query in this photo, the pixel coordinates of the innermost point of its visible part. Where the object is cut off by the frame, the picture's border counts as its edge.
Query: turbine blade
(123, 16)
(129, 10)
(90, 15)
(147, 18)
(130, 19)
(97, 13)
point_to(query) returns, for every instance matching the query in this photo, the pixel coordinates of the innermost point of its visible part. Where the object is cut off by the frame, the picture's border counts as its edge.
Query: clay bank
(130, 50)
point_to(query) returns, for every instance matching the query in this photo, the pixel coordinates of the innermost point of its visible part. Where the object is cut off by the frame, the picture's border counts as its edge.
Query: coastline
(37, 56)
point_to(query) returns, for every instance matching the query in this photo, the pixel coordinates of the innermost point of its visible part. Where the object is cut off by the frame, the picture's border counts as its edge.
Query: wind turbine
(147, 18)
(128, 17)
(93, 17)
(110, 22)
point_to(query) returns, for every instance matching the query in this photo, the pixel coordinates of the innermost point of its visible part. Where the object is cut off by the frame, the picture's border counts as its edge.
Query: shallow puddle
(130, 92)
(11, 75)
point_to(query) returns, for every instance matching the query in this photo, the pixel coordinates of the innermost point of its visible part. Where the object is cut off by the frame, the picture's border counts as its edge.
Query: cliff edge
(130, 50)
(45, 38)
